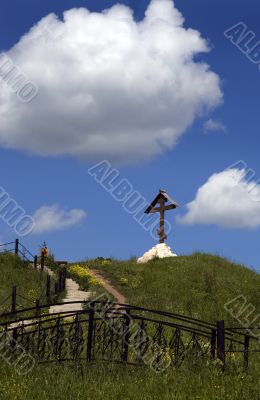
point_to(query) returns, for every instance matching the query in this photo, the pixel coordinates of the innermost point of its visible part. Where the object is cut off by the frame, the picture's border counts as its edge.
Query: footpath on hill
(73, 293)
(109, 287)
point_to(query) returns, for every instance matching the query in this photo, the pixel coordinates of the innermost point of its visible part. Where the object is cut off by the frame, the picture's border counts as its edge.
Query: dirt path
(108, 287)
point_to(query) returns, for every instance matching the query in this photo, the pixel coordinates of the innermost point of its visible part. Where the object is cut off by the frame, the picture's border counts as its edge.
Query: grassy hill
(198, 285)
(29, 282)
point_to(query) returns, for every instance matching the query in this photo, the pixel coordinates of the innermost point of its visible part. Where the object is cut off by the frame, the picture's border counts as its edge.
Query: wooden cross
(162, 198)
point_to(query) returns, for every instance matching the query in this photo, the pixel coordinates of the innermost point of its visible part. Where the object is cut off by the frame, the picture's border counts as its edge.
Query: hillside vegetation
(112, 382)
(198, 285)
(30, 283)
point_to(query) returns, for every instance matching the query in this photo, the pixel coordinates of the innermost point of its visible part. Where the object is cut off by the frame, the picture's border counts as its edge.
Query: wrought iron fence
(125, 334)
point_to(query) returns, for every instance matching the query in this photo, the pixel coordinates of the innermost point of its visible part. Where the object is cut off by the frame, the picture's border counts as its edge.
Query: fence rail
(17, 248)
(108, 331)
(50, 291)
(123, 333)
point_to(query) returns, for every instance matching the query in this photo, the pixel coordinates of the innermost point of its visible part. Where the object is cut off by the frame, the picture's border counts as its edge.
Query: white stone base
(161, 250)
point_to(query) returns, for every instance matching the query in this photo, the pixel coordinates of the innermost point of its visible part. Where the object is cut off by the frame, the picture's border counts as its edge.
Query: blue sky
(36, 180)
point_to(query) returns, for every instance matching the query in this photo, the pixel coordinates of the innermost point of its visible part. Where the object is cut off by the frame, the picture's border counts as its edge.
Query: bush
(82, 276)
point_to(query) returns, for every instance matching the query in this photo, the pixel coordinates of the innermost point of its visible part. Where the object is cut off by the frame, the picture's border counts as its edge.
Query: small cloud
(53, 218)
(213, 125)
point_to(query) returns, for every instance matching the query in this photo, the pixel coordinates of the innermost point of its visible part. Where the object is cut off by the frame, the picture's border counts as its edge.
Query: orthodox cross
(162, 199)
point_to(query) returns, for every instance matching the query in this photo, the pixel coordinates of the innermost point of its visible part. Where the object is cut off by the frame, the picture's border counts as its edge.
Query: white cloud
(228, 199)
(213, 125)
(52, 218)
(109, 87)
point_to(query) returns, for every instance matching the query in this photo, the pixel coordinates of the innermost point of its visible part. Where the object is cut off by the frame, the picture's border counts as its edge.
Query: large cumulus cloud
(109, 87)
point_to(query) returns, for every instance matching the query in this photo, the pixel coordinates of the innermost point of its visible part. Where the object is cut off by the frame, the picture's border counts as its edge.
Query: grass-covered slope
(198, 285)
(29, 282)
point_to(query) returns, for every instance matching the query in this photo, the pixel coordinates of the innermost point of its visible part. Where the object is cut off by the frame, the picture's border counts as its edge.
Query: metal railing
(111, 332)
(16, 247)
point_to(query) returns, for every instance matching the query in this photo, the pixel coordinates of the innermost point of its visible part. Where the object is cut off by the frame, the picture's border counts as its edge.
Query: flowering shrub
(83, 276)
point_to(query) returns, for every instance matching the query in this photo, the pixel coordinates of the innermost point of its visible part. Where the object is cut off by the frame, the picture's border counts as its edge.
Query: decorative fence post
(90, 332)
(221, 342)
(14, 300)
(246, 351)
(35, 262)
(64, 278)
(16, 248)
(48, 289)
(37, 307)
(56, 288)
(126, 335)
(42, 261)
(60, 281)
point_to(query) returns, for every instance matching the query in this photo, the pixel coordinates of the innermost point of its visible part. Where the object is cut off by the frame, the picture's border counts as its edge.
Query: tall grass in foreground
(110, 382)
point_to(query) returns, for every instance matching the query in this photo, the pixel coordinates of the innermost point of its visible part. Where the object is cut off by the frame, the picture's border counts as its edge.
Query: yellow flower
(105, 262)
(123, 281)
(82, 272)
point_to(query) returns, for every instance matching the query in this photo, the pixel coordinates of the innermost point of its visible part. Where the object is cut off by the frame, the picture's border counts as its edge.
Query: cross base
(161, 250)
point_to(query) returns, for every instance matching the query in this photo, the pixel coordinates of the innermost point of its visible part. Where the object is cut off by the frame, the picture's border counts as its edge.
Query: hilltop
(198, 285)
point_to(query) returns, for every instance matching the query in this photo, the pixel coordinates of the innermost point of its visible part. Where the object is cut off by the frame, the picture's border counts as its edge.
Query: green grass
(116, 382)
(197, 285)
(29, 282)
